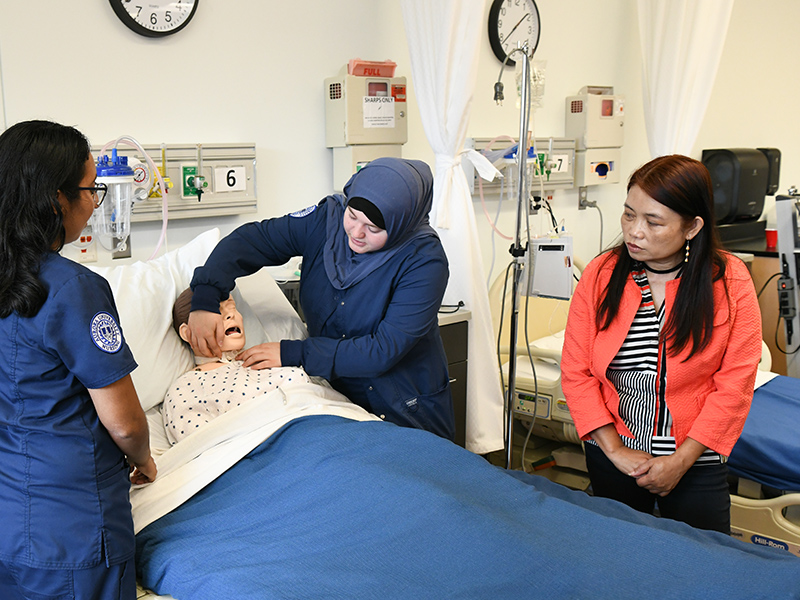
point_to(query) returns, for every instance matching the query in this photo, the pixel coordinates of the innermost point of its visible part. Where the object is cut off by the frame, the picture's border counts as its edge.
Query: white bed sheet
(763, 377)
(194, 462)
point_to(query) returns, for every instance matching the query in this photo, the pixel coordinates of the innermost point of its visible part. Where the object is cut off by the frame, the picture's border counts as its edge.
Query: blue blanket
(768, 451)
(332, 508)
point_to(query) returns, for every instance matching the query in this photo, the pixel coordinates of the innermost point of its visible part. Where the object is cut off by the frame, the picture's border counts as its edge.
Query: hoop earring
(686, 259)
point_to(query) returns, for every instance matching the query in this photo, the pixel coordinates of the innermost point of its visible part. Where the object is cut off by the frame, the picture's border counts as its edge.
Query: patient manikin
(215, 385)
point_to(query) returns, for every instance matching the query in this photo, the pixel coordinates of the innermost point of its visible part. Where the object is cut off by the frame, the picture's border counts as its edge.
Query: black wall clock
(510, 22)
(155, 18)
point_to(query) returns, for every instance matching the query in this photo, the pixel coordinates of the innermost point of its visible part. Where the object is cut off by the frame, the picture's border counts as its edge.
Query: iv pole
(517, 250)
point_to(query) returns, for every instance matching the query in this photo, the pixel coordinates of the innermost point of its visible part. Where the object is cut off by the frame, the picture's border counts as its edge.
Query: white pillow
(268, 316)
(144, 293)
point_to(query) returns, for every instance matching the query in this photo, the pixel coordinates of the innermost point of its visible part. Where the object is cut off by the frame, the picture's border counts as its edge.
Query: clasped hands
(657, 474)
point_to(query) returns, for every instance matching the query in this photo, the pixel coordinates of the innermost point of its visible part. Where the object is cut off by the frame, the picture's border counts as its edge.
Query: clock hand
(525, 16)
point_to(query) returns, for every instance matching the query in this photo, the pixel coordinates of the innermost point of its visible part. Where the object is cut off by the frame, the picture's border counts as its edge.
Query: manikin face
(78, 213)
(234, 326)
(654, 233)
(362, 234)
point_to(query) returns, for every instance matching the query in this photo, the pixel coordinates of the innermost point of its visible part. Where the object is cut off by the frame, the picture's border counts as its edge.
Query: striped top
(639, 374)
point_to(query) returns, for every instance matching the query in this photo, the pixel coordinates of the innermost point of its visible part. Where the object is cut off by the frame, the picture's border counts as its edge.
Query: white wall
(756, 95)
(253, 71)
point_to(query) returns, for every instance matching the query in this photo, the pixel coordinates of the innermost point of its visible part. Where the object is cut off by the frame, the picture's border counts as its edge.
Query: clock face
(513, 22)
(155, 18)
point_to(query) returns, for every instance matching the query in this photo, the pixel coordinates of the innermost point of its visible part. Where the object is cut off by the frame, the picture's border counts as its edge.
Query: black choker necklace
(663, 271)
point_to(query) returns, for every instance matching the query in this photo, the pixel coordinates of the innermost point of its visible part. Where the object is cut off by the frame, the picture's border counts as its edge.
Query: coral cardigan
(708, 395)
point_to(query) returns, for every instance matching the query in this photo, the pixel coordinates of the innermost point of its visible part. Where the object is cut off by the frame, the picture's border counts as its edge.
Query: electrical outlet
(85, 247)
(124, 252)
(88, 254)
(583, 197)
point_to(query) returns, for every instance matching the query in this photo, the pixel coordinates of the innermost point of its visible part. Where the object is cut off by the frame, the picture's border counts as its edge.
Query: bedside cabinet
(455, 338)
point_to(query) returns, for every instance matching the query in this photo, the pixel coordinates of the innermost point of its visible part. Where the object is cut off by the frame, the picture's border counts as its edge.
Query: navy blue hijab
(403, 191)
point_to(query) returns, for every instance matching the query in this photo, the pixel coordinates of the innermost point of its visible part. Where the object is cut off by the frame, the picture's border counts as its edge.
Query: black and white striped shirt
(639, 374)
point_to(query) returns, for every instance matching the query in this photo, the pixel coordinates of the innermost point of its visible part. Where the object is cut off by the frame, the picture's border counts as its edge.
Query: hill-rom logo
(765, 541)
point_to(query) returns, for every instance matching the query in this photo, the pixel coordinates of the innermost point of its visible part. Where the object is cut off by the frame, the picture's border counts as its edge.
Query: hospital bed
(300, 494)
(766, 459)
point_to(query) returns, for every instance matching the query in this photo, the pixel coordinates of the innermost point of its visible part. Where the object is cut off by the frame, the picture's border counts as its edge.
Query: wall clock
(155, 18)
(510, 22)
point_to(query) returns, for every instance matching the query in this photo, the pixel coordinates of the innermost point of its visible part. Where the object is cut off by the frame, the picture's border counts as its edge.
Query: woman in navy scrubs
(374, 274)
(69, 414)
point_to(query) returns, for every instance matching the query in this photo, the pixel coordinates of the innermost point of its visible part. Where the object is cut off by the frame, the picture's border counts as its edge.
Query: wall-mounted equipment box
(595, 118)
(228, 170)
(597, 166)
(365, 110)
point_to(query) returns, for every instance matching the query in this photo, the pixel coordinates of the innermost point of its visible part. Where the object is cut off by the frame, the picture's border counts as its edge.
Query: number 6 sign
(230, 179)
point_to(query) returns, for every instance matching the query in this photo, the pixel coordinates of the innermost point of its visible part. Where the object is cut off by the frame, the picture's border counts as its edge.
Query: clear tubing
(164, 208)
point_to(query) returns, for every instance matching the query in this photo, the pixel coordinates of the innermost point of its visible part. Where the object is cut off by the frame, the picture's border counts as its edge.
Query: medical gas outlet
(596, 119)
(193, 184)
(365, 116)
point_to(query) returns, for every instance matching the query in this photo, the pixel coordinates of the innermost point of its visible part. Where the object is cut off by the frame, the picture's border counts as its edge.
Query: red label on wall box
(399, 93)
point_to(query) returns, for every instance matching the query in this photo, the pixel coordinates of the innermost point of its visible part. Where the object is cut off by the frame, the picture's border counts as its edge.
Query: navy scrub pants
(117, 582)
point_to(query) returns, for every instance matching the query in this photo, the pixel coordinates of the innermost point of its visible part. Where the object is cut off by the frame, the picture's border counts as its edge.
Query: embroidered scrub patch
(304, 212)
(105, 333)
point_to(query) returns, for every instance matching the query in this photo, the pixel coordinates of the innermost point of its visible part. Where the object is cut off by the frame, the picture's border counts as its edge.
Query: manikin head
(232, 319)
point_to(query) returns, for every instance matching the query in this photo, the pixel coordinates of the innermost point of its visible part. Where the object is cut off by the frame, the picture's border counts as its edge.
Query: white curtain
(682, 44)
(443, 41)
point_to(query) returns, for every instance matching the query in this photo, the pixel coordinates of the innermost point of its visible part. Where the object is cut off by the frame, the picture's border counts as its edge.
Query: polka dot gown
(197, 397)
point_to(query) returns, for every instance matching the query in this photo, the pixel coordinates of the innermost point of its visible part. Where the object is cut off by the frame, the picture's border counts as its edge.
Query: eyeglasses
(99, 191)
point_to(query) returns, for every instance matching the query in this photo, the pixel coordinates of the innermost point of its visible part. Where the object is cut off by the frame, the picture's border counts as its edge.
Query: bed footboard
(763, 522)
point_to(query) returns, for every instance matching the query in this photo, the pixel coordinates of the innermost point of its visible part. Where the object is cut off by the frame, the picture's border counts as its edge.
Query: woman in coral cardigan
(661, 349)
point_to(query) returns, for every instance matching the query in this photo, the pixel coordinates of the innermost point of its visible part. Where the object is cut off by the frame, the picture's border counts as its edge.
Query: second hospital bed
(766, 509)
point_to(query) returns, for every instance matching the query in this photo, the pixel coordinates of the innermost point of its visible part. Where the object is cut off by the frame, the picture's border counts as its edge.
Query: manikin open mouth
(233, 331)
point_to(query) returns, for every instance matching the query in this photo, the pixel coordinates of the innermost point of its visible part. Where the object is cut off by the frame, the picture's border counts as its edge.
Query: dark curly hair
(37, 160)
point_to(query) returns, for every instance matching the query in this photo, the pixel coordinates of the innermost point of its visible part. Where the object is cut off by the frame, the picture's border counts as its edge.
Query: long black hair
(37, 160)
(683, 185)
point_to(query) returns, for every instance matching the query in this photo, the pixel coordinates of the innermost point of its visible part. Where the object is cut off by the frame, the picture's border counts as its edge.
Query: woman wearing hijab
(374, 275)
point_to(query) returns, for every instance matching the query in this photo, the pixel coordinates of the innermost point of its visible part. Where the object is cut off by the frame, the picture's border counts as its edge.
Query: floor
(560, 462)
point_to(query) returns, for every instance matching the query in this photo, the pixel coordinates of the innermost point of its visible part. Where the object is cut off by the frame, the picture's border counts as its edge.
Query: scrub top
(377, 342)
(64, 483)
